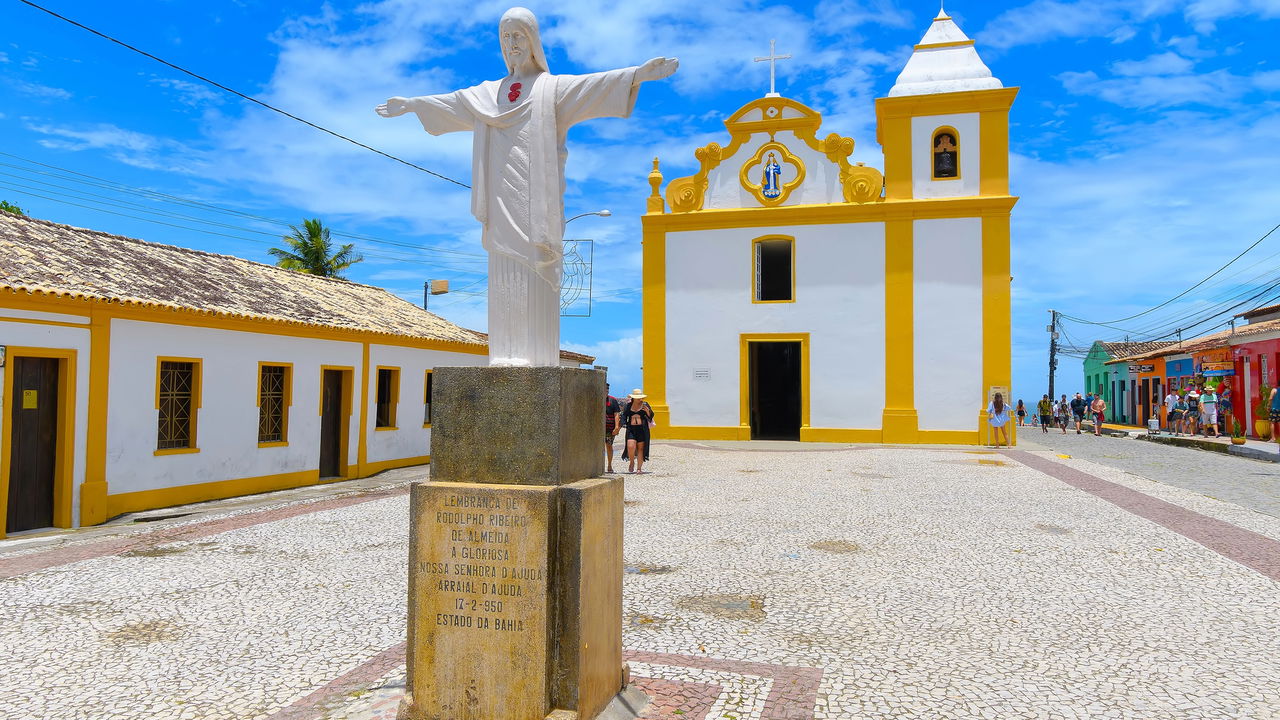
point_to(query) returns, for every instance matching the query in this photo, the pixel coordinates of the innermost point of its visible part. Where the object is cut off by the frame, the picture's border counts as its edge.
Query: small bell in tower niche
(945, 153)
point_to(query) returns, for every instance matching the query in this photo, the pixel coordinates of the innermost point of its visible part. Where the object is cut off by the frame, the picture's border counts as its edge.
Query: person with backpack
(1064, 413)
(1177, 416)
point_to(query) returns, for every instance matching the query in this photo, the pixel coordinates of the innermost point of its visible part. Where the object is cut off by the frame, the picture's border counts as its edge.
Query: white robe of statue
(517, 171)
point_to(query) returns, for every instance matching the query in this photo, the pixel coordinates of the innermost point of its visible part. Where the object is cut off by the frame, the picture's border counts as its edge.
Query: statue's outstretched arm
(394, 107)
(657, 69)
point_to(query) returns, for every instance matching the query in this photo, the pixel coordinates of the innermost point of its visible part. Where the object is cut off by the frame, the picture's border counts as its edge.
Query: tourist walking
(1064, 413)
(1191, 418)
(1078, 408)
(1177, 416)
(636, 418)
(1044, 409)
(612, 409)
(1170, 400)
(1099, 409)
(997, 418)
(1209, 411)
(1022, 412)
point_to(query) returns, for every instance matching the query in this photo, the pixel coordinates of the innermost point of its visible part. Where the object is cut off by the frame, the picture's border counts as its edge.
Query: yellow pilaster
(896, 139)
(900, 423)
(654, 326)
(993, 127)
(362, 449)
(93, 491)
(997, 333)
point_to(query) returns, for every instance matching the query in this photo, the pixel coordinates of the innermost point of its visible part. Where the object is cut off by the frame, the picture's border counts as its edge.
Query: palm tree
(310, 251)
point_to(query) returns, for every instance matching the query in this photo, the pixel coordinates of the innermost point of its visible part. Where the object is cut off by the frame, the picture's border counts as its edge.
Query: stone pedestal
(515, 558)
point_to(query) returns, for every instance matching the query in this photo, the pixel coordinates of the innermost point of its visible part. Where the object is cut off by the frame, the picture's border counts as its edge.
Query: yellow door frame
(744, 376)
(344, 435)
(65, 448)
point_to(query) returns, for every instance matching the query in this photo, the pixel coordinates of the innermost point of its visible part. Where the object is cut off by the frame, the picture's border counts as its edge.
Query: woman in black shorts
(636, 416)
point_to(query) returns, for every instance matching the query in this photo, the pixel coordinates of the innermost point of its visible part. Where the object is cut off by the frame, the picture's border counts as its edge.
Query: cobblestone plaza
(763, 581)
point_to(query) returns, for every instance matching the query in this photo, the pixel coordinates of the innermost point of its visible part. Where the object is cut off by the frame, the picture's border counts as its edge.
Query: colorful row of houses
(1134, 377)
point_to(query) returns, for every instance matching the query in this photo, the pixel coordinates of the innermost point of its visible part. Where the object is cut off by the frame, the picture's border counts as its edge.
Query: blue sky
(1145, 135)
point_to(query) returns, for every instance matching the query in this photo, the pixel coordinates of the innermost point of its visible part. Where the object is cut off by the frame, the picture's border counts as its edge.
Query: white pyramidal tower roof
(945, 61)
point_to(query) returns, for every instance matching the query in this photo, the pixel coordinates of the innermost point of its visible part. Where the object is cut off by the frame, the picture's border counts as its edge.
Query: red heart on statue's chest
(515, 92)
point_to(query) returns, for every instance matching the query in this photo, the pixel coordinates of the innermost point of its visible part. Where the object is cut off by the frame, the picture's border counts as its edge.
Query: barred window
(273, 403)
(176, 400)
(388, 393)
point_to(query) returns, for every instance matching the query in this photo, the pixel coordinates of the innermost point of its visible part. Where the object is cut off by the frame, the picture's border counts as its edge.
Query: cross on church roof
(772, 59)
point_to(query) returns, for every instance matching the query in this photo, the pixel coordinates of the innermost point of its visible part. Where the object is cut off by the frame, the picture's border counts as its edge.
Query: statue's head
(520, 39)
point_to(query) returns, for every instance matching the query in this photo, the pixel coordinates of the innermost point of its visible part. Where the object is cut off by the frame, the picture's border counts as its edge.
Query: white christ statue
(517, 170)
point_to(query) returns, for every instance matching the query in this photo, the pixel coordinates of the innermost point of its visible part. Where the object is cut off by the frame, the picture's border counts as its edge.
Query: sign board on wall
(1142, 368)
(991, 393)
(1217, 369)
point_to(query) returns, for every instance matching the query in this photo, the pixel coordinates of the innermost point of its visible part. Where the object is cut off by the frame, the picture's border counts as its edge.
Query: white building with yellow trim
(791, 294)
(139, 376)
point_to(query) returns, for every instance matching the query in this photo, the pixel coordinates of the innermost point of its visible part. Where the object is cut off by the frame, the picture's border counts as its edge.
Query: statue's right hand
(393, 107)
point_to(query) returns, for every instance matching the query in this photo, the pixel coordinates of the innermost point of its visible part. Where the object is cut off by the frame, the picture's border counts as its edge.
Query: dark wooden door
(33, 443)
(331, 425)
(775, 390)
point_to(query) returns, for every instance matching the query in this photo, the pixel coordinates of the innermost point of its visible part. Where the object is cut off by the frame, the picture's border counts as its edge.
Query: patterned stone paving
(847, 583)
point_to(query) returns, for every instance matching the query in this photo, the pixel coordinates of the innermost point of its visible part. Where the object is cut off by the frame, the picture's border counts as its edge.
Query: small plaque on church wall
(702, 374)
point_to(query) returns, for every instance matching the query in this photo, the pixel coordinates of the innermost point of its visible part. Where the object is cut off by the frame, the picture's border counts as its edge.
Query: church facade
(791, 294)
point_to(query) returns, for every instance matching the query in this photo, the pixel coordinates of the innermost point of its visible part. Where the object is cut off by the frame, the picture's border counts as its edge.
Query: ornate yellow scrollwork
(859, 184)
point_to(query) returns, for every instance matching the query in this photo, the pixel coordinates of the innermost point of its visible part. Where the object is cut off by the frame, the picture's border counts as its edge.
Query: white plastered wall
(410, 438)
(14, 332)
(948, 323)
(227, 421)
(922, 129)
(821, 182)
(839, 301)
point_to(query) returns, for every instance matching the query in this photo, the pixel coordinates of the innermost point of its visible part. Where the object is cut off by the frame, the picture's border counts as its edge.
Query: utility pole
(1053, 349)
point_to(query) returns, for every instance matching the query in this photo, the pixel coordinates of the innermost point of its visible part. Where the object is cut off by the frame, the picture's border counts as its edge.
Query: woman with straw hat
(637, 416)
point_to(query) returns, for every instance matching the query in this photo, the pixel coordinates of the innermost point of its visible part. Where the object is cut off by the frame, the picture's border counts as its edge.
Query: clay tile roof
(37, 256)
(1259, 311)
(1134, 350)
(1226, 337)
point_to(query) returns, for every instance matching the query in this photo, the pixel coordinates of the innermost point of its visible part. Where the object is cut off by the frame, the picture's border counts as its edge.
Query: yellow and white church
(791, 294)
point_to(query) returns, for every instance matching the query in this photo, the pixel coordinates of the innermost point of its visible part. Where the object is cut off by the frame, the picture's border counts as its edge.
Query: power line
(1110, 323)
(67, 175)
(239, 94)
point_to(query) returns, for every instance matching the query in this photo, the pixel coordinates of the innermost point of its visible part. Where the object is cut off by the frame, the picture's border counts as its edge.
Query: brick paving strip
(34, 562)
(672, 699)
(1253, 550)
(792, 697)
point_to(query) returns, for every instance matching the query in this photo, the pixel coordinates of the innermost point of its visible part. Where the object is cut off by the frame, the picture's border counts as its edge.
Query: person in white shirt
(1169, 401)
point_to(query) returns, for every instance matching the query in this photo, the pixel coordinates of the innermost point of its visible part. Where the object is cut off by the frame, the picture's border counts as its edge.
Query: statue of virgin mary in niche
(517, 169)
(770, 184)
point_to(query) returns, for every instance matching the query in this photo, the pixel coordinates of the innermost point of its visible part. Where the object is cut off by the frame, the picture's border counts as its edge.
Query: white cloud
(1214, 88)
(190, 93)
(1267, 81)
(44, 92)
(126, 146)
(1166, 63)
(621, 355)
(1204, 14)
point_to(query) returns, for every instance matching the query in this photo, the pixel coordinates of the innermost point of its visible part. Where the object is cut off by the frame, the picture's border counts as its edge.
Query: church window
(177, 400)
(273, 404)
(946, 154)
(426, 400)
(388, 393)
(774, 265)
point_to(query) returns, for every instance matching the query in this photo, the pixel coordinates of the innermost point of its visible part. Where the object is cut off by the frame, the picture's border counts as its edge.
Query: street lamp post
(601, 213)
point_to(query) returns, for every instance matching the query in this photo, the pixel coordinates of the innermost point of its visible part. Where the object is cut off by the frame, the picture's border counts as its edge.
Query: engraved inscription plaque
(478, 600)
